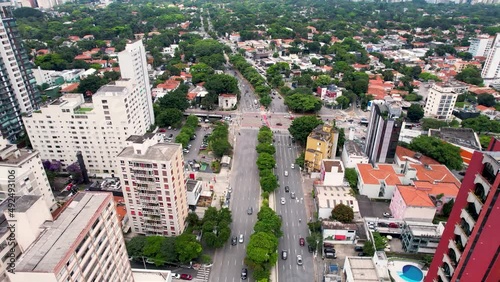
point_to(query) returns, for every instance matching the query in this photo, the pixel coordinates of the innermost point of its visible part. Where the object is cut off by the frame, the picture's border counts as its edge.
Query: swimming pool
(411, 273)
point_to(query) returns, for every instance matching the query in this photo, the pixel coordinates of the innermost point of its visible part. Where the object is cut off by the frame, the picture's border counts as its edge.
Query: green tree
(368, 249)
(482, 124)
(447, 207)
(415, 112)
(169, 117)
(266, 148)
(470, 74)
(268, 221)
(262, 250)
(175, 99)
(485, 141)
(301, 159)
(487, 100)
(303, 103)
(265, 135)
(135, 247)
(343, 213)
(265, 161)
(269, 183)
(439, 150)
(91, 84)
(302, 126)
(428, 123)
(187, 247)
(222, 84)
(343, 101)
(221, 147)
(388, 75)
(352, 178)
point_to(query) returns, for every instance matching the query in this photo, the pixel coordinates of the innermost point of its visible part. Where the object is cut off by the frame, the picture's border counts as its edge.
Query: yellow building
(321, 144)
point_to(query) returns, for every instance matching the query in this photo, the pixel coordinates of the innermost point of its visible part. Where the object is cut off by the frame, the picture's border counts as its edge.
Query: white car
(286, 172)
(299, 259)
(292, 166)
(283, 200)
(242, 239)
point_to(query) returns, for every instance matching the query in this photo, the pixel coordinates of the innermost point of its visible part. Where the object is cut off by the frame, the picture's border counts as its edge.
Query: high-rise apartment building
(98, 129)
(491, 69)
(23, 170)
(383, 132)
(154, 187)
(133, 65)
(470, 246)
(480, 46)
(84, 244)
(441, 99)
(18, 93)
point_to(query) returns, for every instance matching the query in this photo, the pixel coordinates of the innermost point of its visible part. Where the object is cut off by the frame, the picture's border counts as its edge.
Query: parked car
(393, 225)
(361, 254)
(299, 259)
(386, 214)
(234, 241)
(284, 254)
(358, 249)
(186, 276)
(279, 124)
(302, 241)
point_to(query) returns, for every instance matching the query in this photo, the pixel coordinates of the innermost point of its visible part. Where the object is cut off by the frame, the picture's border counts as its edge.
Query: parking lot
(369, 208)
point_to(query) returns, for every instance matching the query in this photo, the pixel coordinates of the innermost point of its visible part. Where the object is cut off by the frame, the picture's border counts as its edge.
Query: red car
(186, 277)
(302, 242)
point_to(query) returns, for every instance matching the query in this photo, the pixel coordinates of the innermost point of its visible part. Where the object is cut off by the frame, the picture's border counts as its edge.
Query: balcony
(150, 200)
(151, 212)
(482, 187)
(145, 194)
(453, 246)
(141, 172)
(460, 232)
(443, 276)
(468, 218)
(144, 181)
(472, 198)
(446, 266)
(149, 188)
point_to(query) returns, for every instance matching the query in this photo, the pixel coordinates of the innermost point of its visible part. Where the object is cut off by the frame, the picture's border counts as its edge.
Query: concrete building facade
(23, 171)
(18, 93)
(154, 186)
(321, 144)
(84, 244)
(383, 132)
(469, 246)
(491, 69)
(442, 98)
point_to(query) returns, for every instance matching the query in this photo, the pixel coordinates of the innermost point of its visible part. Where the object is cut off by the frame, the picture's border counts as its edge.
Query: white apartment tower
(98, 129)
(84, 243)
(481, 45)
(133, 65)
(24, 169)
(442, 98)
(491, 69)
(18, 93)
(153, 184)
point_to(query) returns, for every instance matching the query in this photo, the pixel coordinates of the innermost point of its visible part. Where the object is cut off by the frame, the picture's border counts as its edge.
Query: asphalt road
(291, 212)
(244, 180)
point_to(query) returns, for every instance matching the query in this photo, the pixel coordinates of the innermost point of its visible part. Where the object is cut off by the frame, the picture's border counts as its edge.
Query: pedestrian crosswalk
(203, 274)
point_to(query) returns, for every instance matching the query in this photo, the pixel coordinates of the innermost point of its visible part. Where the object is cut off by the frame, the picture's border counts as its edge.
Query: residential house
(330, 92)
(332, 172)
(335, 232)
(162, 89)
(353, 154)
(197, 93)
(227, 101)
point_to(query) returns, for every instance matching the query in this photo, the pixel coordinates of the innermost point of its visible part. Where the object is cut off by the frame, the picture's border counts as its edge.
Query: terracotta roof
(431, 173)
(466, 156)
(484, 108)
(446, 188)
(83, 57)
(414, 197)
(228, 95)
(169, 84)
(121, 211)
(371, 175)
(71, 87)
(402, 152)
(191, 95)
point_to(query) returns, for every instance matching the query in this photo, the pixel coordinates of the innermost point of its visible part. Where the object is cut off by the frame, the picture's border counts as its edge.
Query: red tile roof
(402, 152)
(434, 173)
(371, 175)
(169, 84)
(414, 197)
(121, 210)
(70, 88)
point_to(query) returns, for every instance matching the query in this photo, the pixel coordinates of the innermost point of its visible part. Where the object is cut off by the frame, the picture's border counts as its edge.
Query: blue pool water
(411, 273)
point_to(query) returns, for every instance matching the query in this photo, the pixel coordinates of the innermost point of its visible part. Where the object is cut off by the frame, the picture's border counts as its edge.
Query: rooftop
(465, 137)
(424, 229)
(139, 139)
(60, 236)
(191, 184)
(319, 132)
(353, 148)
(16, 156)
(363, 269)
(157, 152)
(329, 196)
(23, 203)
(435, 174)
(373, 175)
(414, 197)
(332, 163)
(412, 156)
